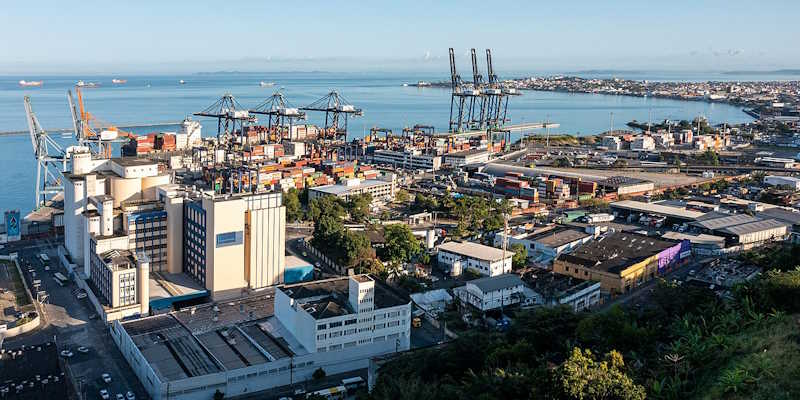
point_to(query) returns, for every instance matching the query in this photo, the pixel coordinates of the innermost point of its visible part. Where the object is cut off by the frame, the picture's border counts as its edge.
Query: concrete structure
(409, 159)
(790, 181)
(643, 143)
(550, 242)
(378, 188)
(233, 243)
(613, 143)
(682, 214)
(556, 290)
(120, 284)
(492, 292)
(622, 185)
(465, 157)
(622, 261)
(485, 260)
(743, 229)
(242, 347)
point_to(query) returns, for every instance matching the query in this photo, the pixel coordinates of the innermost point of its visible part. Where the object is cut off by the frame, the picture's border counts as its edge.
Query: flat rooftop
(660, 180)
(341, 189)
(330, 297)
(558, 236)
(475, 250)
(660, 209)
(617, 251)
(132, 161)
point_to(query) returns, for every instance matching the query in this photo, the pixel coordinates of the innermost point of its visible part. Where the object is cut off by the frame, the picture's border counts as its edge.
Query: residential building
(643, 143)
(485, 260)
(380, 189)
(557, 290)
(492, 292)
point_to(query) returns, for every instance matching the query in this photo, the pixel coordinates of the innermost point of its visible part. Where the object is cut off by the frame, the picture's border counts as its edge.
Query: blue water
(386, 103)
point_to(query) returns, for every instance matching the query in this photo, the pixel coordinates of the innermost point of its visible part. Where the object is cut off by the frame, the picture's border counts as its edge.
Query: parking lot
(67, 319)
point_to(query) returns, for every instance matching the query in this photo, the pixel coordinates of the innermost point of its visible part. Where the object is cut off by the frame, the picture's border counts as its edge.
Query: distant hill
(773, 72)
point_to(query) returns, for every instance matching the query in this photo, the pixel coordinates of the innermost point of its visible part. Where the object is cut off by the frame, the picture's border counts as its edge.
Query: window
(350, 321)
(321, 327)
(335, 334)
(321, 336)
(335, 324)
(350, 331)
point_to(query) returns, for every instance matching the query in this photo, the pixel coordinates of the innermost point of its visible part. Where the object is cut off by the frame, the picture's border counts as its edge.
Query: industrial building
(473, 156)
(742, 229)
(789, 181)
(408, 159)
(679, 214)
(121, 279)
(549, 242)
(275, 338)
(622, 261)
(553, 289)
(492, 292)
(380, 189)
(485, 260)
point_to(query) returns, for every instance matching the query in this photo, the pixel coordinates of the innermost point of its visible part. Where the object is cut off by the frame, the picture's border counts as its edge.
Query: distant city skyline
(185, 37)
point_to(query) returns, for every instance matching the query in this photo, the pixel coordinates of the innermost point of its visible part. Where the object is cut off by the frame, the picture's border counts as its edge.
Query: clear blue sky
(186, 36)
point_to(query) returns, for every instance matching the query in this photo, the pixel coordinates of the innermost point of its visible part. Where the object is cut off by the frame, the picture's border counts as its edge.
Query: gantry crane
(50, 159)
(89, 130)
(461, 118)
(334, 106)
(497, 100)
(477, 104)
(278, 111)
(228, 113)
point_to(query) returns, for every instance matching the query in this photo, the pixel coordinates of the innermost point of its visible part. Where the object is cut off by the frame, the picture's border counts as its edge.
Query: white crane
(50, 159)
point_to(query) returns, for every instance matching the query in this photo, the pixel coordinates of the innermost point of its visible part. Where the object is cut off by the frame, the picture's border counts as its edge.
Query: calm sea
(386, 103)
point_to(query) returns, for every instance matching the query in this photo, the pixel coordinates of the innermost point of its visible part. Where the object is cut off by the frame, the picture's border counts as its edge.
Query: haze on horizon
(94, 37)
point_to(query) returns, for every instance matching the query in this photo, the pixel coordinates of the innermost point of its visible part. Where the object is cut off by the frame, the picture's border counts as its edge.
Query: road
(66, 319)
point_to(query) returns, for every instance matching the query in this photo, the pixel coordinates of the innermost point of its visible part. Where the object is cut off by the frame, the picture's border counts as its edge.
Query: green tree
(709, 157)
(425, 203)
(218, 395)
(318, 374)
(359, 206)
(520, 258)
(294, 210)
(562, 162)
(355, 247)
(582, 377)
(326, 205)
(401, 196)
(401, 244)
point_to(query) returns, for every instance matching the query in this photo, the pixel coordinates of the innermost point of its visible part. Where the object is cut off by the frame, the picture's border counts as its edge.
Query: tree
(358, 206)
(425, 203)
(562, 162)
(318, 374)
(326, 205)
(291, 200)
(355, 247)
(401, 244)
(401, 196)
(520, 258)
(709, 157)
(218, 395)
(582, 377)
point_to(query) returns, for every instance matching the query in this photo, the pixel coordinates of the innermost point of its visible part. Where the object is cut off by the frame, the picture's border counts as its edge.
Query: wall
(225, 276)
(266, 223)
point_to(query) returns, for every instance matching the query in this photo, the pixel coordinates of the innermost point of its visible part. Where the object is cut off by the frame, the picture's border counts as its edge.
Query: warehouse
(672, 213)
(743, 229)
(485, 260)
(474, 156)
(622, 261)
(550, 243)
(377, 188)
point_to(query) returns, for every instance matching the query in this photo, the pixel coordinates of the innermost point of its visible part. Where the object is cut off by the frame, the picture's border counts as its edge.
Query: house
(492, 292)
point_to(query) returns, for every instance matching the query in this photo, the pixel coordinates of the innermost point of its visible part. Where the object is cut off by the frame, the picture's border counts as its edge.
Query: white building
(122, 282)
(380, 189)
(550, 242)
(465, 157)
(612, 142)
(409, 159)
(485, 260)
(643, 143)
(492, 292)
(790, 181)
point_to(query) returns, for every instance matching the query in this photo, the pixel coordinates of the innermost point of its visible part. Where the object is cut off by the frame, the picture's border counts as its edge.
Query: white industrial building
(457, 159)
(380, 189)
(485, 260)
(492, 292)
(120, 280)
(257, 343)
(790, 181)
(643, 143)
(409, 159)
(550, 242)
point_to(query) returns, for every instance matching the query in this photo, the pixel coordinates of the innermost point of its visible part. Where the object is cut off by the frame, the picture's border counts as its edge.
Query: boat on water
(119, 81)
(25, 83)
(86, 84)
(266, 84)
(182, 82)
(423, 84)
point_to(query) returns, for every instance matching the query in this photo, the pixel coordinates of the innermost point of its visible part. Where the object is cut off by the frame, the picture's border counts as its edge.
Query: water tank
(81, 162)
(108, 135)
(124, 189)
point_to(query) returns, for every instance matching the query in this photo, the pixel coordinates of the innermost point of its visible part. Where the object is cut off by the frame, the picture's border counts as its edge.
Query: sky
(108, 37)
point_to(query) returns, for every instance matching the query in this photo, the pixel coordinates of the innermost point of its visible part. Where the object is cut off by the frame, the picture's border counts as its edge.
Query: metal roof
(654, 208)
(725, 222)
(753, 227)
(475, 250)
(499, 282)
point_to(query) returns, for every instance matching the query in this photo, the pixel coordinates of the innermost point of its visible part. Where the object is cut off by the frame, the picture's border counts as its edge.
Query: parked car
(120, 396)
(106, 378)
(104, 394)
(83, 349)
(81, 295)
(130, 395)
(66, 353)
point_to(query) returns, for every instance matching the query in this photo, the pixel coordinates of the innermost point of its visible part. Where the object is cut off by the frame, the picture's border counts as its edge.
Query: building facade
(485, 260)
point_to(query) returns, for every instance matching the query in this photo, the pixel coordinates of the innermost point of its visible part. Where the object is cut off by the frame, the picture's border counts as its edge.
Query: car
(130, 395)
(66, 353)
(317, 264)
(81, 296)
(104, 394)
(120, 396)
(83, 349)
(300, 391)
(106, 378)
(47, 268)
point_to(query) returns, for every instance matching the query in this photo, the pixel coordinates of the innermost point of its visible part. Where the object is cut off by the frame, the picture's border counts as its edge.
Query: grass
(761, 363)
(17, 286)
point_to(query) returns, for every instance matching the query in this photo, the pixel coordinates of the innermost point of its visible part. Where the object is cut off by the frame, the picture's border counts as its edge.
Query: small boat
(25, 83)
(423, 84)
(266, 84)
(119, 81)
(86, 84)
(182, 82)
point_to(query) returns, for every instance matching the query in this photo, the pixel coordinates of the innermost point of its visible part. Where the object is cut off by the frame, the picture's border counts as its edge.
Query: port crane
(89, 130)
(457, 97)
(228, 113)
(497, 101)
(280, 113)
(336, 109)
(477, 104)
(51, 159)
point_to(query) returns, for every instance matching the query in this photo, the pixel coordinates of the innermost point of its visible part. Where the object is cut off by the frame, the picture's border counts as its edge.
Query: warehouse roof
(558, 237)
(654, 208)
(499, 282)
(341, 189)
(475, 250)
(752, 227)
(617, 251)
(781, 214)
(726, 221)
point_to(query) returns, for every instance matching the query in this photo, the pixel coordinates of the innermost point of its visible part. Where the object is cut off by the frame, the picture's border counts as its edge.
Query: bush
(318, 374)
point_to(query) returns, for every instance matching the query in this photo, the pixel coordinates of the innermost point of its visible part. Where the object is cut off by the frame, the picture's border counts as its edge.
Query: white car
(130, 395)
(120, 397)
(83, 349)
(104, 394)
(81, 295)
(106, 378)
(66, 353)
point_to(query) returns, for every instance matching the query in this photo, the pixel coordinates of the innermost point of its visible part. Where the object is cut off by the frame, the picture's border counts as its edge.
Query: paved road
(67, 320)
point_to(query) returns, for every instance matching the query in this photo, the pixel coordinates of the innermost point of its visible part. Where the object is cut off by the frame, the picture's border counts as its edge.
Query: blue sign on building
(230, 238)
(13, 221)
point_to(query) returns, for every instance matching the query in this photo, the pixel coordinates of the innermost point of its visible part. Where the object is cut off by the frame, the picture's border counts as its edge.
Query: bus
(352, 384)
(331, 393)
(60, 278)
(44, 257)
